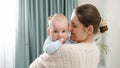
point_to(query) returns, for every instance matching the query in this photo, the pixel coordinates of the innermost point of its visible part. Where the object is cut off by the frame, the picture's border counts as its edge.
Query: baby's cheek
(66, 37)
(52, 38)
(55, 37)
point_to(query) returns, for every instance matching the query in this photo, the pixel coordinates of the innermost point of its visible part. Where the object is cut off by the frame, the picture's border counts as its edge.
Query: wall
(113, 16)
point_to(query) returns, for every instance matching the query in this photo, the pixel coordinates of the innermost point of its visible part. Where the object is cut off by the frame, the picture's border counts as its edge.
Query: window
(8, 19)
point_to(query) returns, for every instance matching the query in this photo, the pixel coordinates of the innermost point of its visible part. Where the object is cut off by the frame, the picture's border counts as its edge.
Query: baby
(57, 33)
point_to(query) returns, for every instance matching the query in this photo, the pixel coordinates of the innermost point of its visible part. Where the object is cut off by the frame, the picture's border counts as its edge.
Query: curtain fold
(32, 24)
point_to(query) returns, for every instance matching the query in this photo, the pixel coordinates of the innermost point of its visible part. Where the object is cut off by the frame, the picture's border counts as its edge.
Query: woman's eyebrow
(73, 23)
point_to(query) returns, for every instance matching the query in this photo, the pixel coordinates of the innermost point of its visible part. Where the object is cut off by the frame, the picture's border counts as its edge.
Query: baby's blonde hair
(57, 17)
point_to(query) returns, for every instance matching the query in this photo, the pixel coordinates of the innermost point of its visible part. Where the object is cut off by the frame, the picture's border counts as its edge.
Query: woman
(84, 25)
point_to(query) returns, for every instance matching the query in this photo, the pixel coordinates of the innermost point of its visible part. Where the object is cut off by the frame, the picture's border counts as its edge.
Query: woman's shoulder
(92, 44)
(79, 47)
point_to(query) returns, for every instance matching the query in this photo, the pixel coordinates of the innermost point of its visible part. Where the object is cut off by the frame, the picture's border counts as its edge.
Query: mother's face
(78, 31)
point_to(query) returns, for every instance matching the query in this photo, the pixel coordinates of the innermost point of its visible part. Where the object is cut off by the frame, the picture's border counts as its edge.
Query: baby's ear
(48, 29)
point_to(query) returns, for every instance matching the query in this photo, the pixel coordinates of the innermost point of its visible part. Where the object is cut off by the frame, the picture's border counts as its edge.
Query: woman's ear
(90, 29)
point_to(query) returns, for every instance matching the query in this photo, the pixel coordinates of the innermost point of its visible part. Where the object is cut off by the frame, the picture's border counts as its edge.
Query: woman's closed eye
(74, 26)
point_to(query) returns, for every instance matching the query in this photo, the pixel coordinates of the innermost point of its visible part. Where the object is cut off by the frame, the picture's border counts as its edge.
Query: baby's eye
(55, 31)
(63, 31)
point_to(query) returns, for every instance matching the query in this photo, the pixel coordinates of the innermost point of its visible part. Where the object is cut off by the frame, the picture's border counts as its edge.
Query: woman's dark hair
(89, 15)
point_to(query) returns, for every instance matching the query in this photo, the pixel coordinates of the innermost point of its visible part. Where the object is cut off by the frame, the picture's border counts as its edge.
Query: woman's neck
(89, 39)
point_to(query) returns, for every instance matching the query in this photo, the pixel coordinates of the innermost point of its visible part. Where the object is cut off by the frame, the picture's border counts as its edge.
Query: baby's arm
(51, 47)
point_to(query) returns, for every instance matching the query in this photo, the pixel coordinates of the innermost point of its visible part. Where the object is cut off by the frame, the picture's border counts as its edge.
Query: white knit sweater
(70, 56)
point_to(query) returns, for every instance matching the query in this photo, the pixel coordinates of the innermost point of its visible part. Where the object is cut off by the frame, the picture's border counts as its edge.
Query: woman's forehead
(75, 20)
(73, 14)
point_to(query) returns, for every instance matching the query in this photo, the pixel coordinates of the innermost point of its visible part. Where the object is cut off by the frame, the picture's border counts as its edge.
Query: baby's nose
(60, 34)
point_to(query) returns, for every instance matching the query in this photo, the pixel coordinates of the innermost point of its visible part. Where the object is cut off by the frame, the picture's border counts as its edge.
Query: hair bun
(103, 26)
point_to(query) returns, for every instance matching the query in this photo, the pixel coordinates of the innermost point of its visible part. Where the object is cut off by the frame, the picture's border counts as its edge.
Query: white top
(81, 55)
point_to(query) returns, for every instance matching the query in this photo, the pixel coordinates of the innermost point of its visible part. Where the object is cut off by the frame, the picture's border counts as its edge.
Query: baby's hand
(62, 40)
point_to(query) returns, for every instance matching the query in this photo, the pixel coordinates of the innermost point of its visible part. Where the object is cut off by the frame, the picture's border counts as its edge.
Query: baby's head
(57, 27)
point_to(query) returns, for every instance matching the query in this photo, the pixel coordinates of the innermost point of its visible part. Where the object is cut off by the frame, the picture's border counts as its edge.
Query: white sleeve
(51, 47)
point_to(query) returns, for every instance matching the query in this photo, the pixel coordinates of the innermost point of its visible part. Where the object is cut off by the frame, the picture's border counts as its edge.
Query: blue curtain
(31, 26)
